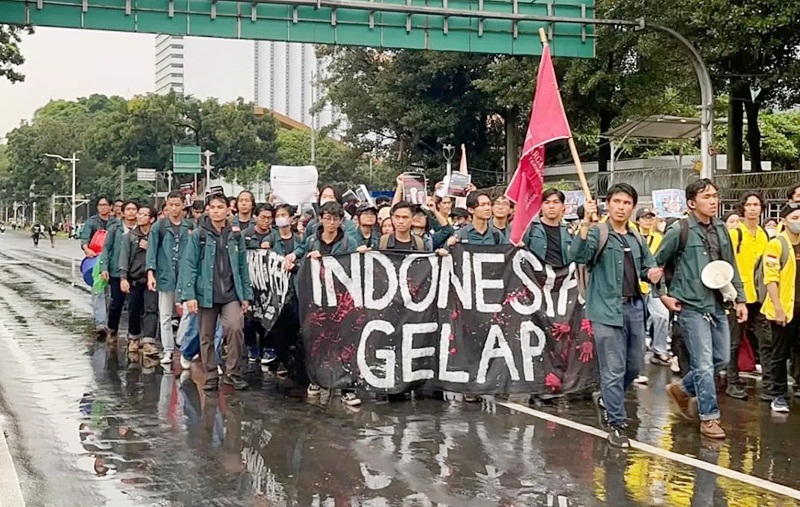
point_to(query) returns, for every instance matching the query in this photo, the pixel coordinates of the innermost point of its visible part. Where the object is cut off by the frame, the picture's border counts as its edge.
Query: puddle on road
(102, 431)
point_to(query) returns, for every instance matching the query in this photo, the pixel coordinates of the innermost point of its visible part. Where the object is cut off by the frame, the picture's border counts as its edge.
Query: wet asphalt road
(87, 428)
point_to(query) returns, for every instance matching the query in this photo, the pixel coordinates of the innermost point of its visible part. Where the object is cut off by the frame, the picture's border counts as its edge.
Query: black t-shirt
(288, 244)
(712, 241)
(630, 279)
(224, 288)
(402, 245)
(553, 253)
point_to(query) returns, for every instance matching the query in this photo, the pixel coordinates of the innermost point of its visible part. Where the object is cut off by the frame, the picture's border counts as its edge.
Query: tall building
(286, 81)
(169, 63)
(278, 76)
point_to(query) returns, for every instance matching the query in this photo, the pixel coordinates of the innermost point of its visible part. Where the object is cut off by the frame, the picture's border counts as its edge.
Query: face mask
(771, 231)
(662, 226)
(282, 222)
(794, 227)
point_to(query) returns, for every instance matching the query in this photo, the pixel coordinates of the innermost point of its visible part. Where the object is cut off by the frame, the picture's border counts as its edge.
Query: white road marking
(661, 453)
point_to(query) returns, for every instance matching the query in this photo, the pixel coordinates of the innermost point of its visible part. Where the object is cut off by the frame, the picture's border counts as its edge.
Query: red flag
(548, 122)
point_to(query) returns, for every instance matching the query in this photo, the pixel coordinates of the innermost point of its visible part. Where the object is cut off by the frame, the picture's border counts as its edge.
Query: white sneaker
(674, 367)
(220, 370)
(313, 390)
(350, 399)
(185, 363)
(641, 380)
(167, 359)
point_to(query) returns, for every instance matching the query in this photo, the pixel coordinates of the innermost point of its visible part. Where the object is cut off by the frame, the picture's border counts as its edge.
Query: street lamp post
(72, 160)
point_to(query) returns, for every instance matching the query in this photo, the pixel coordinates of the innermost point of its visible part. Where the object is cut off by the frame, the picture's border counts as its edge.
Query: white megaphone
(717, 275)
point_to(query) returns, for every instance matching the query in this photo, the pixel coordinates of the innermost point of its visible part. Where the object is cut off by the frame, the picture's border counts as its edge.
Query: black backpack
(683, 238)
(604, 229)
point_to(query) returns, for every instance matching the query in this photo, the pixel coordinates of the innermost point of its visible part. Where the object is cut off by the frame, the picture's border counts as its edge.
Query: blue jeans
(708, 342)
(659, 315)
(100, 308)
(620, 352)
(189, 336)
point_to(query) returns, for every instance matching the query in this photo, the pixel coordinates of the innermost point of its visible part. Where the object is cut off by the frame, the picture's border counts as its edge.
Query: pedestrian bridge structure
(479, 26)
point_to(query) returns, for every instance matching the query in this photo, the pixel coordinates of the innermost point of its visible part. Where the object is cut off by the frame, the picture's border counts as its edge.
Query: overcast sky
(67, 64)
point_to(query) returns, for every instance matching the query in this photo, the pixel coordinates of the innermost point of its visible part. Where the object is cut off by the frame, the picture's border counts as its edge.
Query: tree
(10, 55)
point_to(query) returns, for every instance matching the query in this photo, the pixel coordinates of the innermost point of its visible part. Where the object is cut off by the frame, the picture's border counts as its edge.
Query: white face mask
(770, 231)
(662, 226)
(794, 227)
(282, 222)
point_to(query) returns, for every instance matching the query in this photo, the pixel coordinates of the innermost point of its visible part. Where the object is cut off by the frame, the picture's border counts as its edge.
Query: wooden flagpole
(576, 159)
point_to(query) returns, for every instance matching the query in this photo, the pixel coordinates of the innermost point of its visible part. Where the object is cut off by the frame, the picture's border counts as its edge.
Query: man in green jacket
(480, 231)
(168, 237)
(101, 221)
(548, 237)
(109, 264)
(700, 310)
(214, 281)
(614, 303)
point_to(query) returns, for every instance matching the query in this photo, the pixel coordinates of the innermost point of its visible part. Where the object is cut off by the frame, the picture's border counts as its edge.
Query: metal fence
(644, 180)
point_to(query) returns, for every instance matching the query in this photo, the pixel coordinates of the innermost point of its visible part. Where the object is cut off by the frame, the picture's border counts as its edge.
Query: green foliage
(10, 55)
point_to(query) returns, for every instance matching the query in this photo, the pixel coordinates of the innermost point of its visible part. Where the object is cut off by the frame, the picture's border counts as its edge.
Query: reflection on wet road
(88, 427)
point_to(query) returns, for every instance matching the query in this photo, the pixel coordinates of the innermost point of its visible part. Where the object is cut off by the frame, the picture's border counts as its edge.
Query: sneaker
(167, 359)
(211, 384)
(236, 381)
(101, 333)
(736, 391)
(350, 399)
(186, 364)
(674, 367)
(765, 396)
(268, 356)
(641, 380)
(313, 390)
(712, 429)
(149, 349)
(660, 360)
(471, 398)
(133, 344)
(680, 399)
(618, 438)
(220, 371)
(602, 414)
(281, 370)
(780, 405)
(252, 355)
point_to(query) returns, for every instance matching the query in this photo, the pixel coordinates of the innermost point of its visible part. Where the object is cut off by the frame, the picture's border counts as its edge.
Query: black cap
(789, 208)
(643, 212)
(459, 213)
(366, 207)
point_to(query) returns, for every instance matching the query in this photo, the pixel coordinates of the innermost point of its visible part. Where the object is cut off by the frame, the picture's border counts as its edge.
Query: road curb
(10, 491)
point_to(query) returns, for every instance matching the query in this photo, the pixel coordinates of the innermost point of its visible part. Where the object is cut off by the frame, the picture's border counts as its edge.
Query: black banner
(270, 285)
(483, 320)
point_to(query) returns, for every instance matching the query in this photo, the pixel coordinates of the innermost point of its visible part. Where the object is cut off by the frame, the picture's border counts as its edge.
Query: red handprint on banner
(552, 382)
(560, 330)
(586, 327)
(587, 351)
(343, 308)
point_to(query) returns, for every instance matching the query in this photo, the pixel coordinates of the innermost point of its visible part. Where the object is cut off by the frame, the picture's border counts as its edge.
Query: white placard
(293, 184)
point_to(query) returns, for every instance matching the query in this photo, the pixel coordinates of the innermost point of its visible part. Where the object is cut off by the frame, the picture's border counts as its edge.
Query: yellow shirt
(783, 276)
(653, 240)
(748, 249)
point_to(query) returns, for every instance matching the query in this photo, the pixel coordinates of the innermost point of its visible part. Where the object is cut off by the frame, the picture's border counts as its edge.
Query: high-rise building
(279, 76)
(286, 81)
(169, 63)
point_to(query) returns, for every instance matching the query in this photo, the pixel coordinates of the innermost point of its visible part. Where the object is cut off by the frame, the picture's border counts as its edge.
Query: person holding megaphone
(690, 245)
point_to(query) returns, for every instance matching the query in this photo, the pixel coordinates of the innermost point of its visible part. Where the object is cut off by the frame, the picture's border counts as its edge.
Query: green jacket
(343, 244)
(196, 273)
(162, 257)
(535, 240)
(109, 258)
(686, 285)
(604, 293)
(302, 249)
(91, 226)
(276, 244)
(471, 236)
(371, 242)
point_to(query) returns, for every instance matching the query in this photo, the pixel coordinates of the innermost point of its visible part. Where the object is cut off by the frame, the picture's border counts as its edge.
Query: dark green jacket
(91, 226)
(276, 244)
(686, 285)
(604, 294)
(371, 242)
(109, 259)
(196, 272)
(252, 238)
(471, 236)
(343, 244)
(535, 240)
(311, 229)
(161, 253)
(440, 235)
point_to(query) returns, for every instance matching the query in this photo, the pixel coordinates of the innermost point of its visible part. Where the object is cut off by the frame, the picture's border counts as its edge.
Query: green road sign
(478, 26)
(186, 159)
